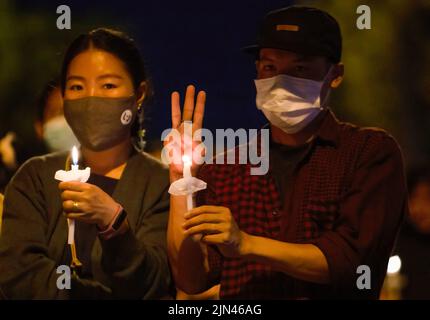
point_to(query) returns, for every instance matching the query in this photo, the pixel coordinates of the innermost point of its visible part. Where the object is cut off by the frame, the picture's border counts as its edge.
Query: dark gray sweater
(34, 236)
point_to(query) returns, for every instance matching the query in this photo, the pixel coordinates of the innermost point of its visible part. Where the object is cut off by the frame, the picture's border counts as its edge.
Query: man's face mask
(100, 123)
(288, 102)
(58, 135)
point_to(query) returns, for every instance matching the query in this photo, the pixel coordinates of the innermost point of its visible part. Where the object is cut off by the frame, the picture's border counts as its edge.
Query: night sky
(187, 42)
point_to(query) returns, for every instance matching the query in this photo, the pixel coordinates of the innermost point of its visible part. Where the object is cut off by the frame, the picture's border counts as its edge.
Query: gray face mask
(100, 123)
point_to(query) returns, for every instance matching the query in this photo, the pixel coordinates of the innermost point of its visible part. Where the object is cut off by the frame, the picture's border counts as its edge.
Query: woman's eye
(109, 86)
(75, 87)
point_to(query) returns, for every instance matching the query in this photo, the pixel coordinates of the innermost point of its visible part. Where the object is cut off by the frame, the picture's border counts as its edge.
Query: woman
(120, 213)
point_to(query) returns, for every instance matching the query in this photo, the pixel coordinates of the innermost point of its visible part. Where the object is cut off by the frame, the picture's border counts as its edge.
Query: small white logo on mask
(126, 117)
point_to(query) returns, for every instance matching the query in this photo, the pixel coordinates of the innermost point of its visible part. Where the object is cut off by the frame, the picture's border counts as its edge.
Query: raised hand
(192, 112)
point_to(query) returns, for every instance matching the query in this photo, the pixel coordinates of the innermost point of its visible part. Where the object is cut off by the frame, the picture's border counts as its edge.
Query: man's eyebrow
(266, 59)
(302, 58)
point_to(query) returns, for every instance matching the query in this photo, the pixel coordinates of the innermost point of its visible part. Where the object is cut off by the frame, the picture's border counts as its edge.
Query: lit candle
(394, 281)
(73, 175)
(188, 185)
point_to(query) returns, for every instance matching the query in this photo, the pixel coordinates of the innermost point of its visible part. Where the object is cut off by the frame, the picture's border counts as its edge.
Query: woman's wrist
(118, 225)
(109, 218)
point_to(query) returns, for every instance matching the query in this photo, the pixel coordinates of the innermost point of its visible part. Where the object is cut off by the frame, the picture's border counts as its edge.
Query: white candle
(186, 172)
(187, 185)
(71, 222)
(73, 175)
(187, 158)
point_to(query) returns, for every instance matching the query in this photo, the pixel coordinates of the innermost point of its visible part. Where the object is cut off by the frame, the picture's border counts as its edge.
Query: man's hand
(192, 111)
(217, 227)
(88, 203)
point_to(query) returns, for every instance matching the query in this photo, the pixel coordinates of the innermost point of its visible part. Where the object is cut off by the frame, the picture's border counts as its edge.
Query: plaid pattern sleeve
(369, 217)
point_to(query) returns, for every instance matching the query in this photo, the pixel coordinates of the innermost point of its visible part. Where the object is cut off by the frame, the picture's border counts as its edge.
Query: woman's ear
(338, 73)
(141, 93)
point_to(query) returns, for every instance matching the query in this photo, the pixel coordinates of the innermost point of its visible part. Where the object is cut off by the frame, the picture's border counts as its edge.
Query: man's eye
(75, 87)
(109, 86)
(268, 67)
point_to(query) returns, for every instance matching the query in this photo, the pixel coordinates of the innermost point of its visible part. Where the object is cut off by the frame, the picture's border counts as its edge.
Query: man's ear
(338, 72)
(257, 65)
(141, 93)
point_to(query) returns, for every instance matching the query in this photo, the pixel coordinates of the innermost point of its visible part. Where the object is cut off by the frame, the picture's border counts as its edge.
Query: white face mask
(288, 102)
(58, 135)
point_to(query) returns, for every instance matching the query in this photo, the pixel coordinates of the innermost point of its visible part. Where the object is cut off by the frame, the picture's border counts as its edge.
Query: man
(333, 199)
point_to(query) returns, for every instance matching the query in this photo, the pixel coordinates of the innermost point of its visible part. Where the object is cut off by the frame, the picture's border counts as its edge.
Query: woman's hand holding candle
(73, 175)
(88, 203)
(83, 201)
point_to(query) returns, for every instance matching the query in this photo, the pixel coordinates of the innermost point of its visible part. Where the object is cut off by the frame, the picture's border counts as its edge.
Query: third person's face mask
(100, 123)
(289, 103)
(58, 135)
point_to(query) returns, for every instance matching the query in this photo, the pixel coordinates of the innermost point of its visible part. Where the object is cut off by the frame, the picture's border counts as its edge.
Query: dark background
(199, 42)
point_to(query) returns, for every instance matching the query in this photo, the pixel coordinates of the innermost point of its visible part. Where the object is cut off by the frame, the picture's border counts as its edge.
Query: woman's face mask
(58, 135)
(100, 123)
(288, 102)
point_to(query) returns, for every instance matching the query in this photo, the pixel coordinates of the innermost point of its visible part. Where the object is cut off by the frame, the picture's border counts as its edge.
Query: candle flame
(186, 159)
(394, 265)
(75, 155)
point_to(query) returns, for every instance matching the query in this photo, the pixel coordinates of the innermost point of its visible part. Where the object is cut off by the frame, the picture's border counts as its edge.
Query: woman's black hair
(124, 48)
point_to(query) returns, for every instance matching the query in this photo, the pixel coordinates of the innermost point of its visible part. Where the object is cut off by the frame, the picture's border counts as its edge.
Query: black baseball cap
(300, 29)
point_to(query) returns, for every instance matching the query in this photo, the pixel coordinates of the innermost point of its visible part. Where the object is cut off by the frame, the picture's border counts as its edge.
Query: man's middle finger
(189, 104)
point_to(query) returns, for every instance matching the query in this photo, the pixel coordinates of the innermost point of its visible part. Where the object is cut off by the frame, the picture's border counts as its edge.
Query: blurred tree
(386, 70)
(31, 51)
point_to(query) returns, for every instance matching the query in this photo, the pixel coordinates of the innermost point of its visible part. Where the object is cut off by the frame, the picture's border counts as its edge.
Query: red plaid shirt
(348, 197)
